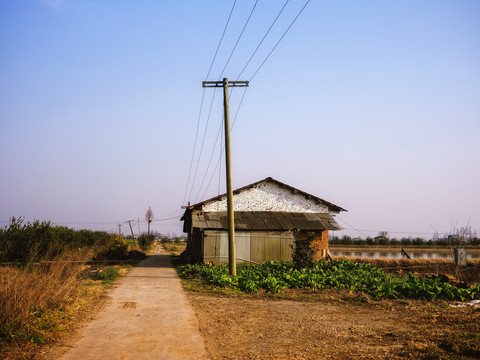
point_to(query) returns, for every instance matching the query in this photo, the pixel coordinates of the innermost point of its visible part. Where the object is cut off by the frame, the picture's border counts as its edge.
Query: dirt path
(146, 317)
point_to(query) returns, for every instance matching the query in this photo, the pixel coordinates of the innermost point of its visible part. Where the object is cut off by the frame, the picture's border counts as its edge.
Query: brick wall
(319, 244)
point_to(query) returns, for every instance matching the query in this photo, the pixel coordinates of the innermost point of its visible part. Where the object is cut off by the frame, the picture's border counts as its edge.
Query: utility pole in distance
(131, 229)
(232, 263)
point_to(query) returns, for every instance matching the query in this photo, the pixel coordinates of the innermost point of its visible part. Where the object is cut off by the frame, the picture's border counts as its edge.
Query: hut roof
(331, 207)
(265, 220)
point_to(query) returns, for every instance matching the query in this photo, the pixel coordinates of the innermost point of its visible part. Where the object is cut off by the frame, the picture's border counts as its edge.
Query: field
(335, 316)
(308, 324)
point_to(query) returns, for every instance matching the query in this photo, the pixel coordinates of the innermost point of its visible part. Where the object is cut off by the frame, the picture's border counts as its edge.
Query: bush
(146, 241)
(117, 250)
(136, 255)
(302, 251)
(22, 243)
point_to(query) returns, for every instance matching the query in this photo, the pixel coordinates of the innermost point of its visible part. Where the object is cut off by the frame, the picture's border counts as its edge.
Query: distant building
(265, 214)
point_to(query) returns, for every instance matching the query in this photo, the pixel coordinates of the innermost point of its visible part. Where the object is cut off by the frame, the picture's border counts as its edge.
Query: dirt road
(146, 317)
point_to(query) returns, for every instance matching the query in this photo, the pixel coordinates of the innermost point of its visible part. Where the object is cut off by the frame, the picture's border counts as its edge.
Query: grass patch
(108, 275)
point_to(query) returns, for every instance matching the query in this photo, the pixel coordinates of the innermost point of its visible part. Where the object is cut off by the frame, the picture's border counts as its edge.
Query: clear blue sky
(371, 105)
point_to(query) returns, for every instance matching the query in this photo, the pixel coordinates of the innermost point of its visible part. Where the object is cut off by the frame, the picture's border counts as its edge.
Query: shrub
(117, 250)
(302, 250)
(146, 241)
(136, 255)
(22, 243)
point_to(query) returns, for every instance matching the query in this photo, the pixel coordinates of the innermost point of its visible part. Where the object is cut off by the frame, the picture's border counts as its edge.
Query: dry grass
(469, 273)
(175, 248)
(30, 295)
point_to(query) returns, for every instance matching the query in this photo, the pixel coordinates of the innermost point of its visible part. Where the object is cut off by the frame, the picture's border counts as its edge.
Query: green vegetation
(118, 250)
(302, 251)
(45, 280)
(146, 241)
(336, 274)
(108, 275)
(385, 240)
(28, 242)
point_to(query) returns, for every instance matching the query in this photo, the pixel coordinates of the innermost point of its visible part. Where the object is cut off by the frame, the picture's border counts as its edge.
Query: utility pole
(131, 229)
(232, 263)
(119, 230)
(138, 222)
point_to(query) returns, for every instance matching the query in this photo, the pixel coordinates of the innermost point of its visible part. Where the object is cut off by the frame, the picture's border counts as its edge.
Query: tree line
(383, 240)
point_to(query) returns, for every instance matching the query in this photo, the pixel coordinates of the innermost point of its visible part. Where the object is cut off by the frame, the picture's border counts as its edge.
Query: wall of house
(251, 246)
(319, 244)
(268, 196)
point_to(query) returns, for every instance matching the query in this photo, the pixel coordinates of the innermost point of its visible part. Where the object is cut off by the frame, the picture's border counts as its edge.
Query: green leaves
(338, 274)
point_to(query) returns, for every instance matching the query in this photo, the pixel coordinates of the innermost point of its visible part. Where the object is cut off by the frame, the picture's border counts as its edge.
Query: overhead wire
(278, 42)
(223, 147)
(213, 97)
(263, 39)
(238, 39)
(201, 103)
(203, 143)
(254, 74)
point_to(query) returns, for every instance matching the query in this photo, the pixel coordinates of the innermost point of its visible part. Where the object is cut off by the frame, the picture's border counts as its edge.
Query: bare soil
(305, 324)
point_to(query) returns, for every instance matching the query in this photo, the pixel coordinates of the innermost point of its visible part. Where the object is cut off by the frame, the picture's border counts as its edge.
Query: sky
(371, 105)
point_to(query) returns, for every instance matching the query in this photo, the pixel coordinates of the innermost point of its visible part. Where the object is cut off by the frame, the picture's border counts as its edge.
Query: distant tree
(149, 218)
(383, 234)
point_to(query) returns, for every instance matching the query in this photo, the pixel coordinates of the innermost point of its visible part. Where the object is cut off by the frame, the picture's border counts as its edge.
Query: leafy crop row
(337, 274)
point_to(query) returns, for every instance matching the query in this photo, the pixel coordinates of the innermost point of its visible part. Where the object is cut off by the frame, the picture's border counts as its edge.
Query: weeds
(108, 275)
(29, 295)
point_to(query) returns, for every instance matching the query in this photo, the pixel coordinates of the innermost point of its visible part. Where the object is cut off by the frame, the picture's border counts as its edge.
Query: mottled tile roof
(313, 199)
(265, 220)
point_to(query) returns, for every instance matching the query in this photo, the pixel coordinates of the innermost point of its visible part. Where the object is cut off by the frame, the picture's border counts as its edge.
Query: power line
(268, 31)
(213, 97)
(194, 146)
(203, 143)
(201, 104)
(238, 39)
(223, 148)
(258, 46)
(215, 145)
(221, 39)
(278, 42)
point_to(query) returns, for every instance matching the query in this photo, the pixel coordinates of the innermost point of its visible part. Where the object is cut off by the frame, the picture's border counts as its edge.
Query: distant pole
(131, 229)
(119, 230)
(232, 263)
(138, 219)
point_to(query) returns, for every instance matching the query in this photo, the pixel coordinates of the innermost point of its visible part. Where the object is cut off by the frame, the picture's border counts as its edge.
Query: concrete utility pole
(232, 264)
(131, 229)
(119, 230)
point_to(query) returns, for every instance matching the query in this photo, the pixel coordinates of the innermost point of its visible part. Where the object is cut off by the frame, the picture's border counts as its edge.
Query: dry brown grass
(175, 248)
(29, 295)
(469, 273)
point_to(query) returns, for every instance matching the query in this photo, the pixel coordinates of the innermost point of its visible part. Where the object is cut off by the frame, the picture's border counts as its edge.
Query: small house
(265, 214)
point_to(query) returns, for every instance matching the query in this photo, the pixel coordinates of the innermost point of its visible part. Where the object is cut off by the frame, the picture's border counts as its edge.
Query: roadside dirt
(301, 324)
